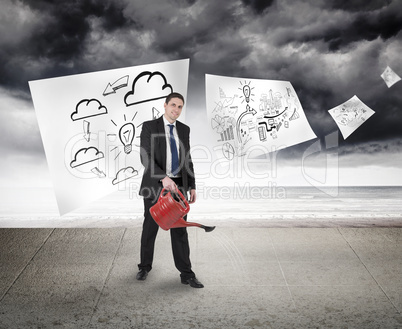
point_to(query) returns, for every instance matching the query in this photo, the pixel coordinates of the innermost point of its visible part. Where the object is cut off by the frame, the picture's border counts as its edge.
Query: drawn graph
(264, 113)
(227, 134)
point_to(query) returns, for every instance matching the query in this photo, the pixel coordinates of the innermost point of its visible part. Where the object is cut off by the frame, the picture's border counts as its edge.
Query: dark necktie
(173, 149)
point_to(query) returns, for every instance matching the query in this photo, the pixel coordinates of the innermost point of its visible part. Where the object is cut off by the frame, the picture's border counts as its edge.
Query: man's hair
(174, 95)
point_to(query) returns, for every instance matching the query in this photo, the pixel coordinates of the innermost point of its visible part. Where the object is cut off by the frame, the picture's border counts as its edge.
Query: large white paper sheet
(254, 116)
(350, 115)
(90, 126)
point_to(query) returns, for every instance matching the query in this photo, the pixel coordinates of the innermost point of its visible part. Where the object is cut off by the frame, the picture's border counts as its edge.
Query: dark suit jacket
(153, 157)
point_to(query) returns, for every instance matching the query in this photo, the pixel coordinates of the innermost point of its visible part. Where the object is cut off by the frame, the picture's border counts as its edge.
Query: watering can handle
(161, 194)
(183, 200)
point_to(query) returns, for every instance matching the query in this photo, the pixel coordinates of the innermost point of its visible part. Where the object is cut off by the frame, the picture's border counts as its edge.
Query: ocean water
(242, 205)
(379, 205)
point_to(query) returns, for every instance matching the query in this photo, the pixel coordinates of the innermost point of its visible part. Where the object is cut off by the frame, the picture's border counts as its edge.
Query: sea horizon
(244, 205)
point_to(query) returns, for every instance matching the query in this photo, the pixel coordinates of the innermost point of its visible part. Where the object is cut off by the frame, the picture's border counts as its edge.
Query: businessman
(165, 154)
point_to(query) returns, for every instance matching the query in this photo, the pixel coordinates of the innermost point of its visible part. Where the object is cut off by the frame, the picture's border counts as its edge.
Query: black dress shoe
(142, 274)
(193, 282)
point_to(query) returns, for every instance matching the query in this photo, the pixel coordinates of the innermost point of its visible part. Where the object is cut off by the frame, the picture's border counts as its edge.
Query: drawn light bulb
(126, 135)
(246, 92)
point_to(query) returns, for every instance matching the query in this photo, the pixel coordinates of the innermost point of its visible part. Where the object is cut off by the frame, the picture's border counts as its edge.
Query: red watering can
(169, 210)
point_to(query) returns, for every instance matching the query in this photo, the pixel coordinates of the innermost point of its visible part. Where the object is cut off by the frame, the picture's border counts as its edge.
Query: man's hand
(193, 196)
(168, 183)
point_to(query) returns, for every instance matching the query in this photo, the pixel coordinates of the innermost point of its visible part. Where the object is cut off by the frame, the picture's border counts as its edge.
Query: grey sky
(329, 51)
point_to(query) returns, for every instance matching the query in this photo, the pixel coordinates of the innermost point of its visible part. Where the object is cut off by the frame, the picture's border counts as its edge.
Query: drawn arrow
(98, 172)
(276, 115)
(249, 110)
(120, 83)
(155, 113)
(87, 133)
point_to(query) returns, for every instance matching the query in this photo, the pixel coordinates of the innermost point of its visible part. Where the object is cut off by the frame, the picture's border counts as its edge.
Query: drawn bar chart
(227, 134)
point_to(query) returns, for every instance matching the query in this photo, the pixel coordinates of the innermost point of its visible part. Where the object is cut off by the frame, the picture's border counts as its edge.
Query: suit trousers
(179, 242)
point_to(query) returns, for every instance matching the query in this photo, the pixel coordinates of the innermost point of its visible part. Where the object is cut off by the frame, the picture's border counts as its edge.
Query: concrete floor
(253, 277)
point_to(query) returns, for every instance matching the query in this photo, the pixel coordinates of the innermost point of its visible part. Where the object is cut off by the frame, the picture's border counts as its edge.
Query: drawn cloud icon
(86, 155)
(88, 108)
(148, 86)
(124, 174)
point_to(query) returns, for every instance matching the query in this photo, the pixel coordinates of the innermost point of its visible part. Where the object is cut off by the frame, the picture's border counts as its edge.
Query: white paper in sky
(91, 123)
(350, 115)
(254, 116)
(390, 77)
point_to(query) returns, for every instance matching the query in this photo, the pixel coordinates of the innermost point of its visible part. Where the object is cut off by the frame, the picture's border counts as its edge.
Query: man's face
(173, 109)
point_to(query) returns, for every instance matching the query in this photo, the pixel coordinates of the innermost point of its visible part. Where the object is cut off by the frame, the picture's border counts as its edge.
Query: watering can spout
(208, 228)
(182, 223)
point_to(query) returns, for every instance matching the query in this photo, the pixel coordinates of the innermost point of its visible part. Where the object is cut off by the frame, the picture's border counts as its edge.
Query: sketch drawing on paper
(88, 108)
(126, 136)
(98, 172)
(86, 155)
(124, 174)
(148, 86)
(246, 114)
(228, 151)
(155, 113)
(390, 77)
(243, 125)
(89, 139)
(118, 84)
(350, 115)
(87, 133)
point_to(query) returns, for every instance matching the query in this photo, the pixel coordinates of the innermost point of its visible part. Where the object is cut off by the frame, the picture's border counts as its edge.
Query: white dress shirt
(168, 151)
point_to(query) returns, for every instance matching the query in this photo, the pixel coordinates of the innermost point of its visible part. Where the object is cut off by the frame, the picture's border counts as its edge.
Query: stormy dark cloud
(54, 38)
(359, 5)
(258, 5)
(328, 50)
(369, 26)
